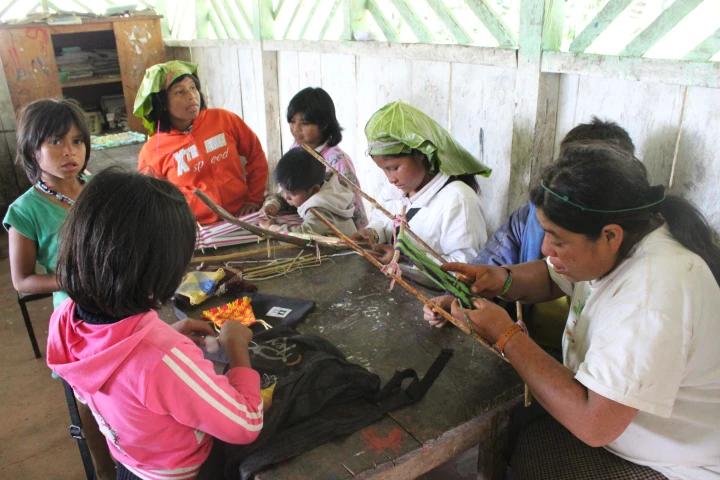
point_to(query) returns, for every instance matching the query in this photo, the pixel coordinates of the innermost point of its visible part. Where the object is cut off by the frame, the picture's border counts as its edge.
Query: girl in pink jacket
(124, 249)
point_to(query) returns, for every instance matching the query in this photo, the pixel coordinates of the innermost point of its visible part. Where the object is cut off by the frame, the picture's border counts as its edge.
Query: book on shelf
(64, 20)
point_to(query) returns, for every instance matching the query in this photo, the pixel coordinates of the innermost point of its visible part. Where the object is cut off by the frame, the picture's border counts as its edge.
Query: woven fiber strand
(432, 270)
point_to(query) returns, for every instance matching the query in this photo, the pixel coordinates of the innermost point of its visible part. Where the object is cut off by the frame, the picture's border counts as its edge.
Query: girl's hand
(267, 223)
(235, 339)
(233, 332)
(434, 318)
(269, 210)
(195, 330)
(383, 253)
(249, 208)
(488, 319)
(484, 280)
(364, 235)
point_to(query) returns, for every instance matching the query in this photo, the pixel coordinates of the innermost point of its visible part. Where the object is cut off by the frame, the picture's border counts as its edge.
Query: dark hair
(125, 244)
(298, 170)
(317, 108)
(602, 176)
(41, 120)
(468, 179)
(603, 130)
(160, 113)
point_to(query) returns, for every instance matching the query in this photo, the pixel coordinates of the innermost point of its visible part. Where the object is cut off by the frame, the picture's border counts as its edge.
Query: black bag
(318, 396)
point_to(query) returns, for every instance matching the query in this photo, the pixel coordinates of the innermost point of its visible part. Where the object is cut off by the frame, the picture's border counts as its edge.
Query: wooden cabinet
(28, 52)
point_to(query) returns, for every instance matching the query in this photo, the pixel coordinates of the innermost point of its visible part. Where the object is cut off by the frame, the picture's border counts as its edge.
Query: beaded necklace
(63, 198)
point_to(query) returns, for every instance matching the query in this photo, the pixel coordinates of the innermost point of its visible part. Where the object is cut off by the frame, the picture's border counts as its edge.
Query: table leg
(493, 448)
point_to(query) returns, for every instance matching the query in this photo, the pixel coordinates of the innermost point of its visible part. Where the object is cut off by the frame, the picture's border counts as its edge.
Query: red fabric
(209, 158)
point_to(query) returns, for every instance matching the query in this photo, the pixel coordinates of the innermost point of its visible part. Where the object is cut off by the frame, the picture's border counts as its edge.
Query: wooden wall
(473, 101)
(13, 181)
(651, 113)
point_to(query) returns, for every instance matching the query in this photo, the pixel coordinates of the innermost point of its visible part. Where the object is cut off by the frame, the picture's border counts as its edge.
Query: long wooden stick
(374, 203)
(462, 326)
(281, 237)
(528, 395)
(235, 256)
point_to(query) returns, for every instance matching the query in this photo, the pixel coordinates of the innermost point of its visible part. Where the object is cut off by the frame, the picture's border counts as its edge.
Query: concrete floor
(34, 436)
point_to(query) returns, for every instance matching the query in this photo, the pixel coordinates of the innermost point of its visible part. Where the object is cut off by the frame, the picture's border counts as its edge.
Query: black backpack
(318, 396)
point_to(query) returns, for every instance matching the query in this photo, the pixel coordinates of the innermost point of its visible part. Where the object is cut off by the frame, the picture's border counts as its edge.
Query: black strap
(411, 213)
(77, 433)
(392, 395)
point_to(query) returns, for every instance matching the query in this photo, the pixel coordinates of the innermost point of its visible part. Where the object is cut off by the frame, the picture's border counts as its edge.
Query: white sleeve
(636, 357)
(382, 225)
(565, 285)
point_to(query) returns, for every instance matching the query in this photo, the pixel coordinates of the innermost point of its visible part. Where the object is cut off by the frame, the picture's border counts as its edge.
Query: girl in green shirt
(53, 145)
(54, 148)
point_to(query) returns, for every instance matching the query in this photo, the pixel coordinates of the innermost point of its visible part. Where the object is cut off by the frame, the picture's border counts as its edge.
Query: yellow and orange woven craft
(238, 310)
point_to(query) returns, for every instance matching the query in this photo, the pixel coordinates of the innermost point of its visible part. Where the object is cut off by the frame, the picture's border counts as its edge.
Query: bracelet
(499, 345)
(508, 283)
(376, 236)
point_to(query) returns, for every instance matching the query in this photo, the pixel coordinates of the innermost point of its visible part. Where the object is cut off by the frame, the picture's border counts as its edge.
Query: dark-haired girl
(53, 146)
(641, 370)
(193, 146)
(124, 250)
(54, 149)
(312, 120)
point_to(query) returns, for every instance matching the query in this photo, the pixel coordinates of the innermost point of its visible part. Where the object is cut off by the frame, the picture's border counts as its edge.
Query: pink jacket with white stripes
(155, 398)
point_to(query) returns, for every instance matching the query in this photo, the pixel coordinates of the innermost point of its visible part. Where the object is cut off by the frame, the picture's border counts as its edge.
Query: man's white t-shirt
(647, 335)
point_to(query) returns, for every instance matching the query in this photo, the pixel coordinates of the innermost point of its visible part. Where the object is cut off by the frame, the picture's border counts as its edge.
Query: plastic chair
(23, 298)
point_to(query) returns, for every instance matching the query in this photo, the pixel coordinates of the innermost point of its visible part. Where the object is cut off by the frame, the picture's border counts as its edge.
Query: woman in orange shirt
(193, 146)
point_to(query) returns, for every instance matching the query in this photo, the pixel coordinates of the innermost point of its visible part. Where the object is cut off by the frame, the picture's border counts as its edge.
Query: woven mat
(546, 450)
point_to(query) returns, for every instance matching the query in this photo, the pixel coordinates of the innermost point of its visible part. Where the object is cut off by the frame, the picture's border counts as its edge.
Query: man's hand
(485, 280)
(488, 319)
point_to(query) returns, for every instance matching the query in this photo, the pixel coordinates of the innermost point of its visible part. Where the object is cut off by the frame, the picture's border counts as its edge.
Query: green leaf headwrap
(400, 128)
(158, 78)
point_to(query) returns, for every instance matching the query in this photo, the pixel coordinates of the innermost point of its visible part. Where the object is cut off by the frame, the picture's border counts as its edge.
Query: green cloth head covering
(399, 128)
(158, 78)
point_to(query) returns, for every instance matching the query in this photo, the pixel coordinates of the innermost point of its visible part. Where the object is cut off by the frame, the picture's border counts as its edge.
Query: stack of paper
(75, 62)
(105, 62)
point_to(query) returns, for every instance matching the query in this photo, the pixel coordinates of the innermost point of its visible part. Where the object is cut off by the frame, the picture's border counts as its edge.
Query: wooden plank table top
(384, 331)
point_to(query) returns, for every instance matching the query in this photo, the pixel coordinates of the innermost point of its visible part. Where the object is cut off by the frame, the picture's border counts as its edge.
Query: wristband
(376, 236)
(507, 285)
(499, 345)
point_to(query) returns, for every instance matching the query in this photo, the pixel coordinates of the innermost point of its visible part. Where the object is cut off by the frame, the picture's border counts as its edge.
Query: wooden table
(384, 331)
